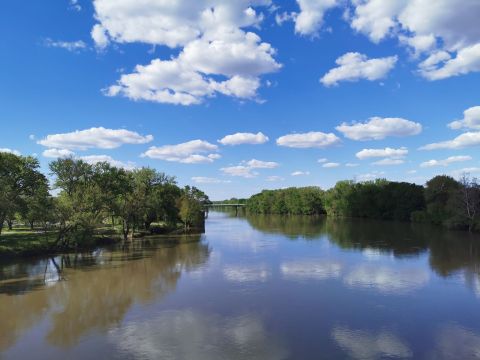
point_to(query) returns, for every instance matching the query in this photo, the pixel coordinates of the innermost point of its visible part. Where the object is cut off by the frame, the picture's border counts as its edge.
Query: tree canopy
(93, 196)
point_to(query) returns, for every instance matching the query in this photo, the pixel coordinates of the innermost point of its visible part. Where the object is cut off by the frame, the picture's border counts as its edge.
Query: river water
(261, 287)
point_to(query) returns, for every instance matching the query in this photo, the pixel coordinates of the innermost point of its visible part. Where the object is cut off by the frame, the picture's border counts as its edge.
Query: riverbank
(29, 243)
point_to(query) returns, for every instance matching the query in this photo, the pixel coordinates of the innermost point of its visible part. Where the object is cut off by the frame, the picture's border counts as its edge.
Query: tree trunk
(2, 221)
(125, 230)
(10, 224)
(31, 225)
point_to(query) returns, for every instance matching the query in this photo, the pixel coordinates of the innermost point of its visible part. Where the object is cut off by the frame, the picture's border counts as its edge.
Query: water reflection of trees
(398, 238)
(449, 251)
(293, 226)
(98, 290)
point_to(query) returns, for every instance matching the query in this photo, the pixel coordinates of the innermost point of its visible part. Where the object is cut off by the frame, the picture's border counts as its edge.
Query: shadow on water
(89, 291)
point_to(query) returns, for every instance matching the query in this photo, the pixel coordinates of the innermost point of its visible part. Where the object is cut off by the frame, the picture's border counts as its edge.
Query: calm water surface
(253, 288)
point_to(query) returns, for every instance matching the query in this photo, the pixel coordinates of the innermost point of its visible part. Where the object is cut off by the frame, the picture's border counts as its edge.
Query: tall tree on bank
(467, 201)
(191, 205)
(19, 177)
(439, 193)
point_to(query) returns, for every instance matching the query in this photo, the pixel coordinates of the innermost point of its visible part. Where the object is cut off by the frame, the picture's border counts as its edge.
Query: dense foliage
(91, 197)
(21, 185)
(378, 199)
(443, 201)
(452, 203)
(292, 201)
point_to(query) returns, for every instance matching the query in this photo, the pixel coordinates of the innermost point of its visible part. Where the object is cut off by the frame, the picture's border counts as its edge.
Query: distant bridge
(224, 205)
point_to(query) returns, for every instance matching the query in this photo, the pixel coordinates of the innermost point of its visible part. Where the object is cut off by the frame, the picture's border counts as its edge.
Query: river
(260, 287)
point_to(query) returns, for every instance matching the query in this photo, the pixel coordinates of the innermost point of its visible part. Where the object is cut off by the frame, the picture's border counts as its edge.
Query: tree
(38, 206)
(191, 207)
(81, 197)
(291, 201)
(467, 201)
(439, 192)
(19, 177)
(337, 199)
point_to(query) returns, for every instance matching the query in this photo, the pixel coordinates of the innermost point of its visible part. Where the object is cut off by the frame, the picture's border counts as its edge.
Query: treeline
(443, 201)
(95, 196)
(292, 201)
(379, 199)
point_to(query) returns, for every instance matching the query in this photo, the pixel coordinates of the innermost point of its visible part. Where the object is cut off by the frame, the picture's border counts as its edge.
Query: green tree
(467, 203)
(191, 209)
(38, 206)
(19, 177)
(81, 198)
(337, 199)
(439, 194)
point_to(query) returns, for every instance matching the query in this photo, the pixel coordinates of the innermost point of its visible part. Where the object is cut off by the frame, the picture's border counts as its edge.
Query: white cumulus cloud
(95, 159)
(370, 176)
(259, 164)
(208, 180)
(10, 151)
(246, 169)
(96, 137)
(464, 140)
(310, 19)
(57, 153)
(471, 119)
(300, 173)
(467, 60)
(244, 138)
(386, 152)
(377, 128)
(331, 165)
(446, 162)
(239, 170)
(308, 140)
(354, 66)
(446, 31)
(216, 55)
(190, 152)
(388, 162)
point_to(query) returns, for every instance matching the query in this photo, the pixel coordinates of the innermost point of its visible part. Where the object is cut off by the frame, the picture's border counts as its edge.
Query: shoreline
(39, 246)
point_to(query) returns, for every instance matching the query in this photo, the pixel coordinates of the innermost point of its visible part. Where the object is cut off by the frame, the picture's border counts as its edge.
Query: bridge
(224, 205)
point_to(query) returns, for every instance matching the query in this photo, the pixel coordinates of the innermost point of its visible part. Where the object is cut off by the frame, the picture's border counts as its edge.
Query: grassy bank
(26, 242)
(23, 242)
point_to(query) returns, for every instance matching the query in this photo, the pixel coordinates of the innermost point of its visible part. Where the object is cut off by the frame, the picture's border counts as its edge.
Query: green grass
(23, 240)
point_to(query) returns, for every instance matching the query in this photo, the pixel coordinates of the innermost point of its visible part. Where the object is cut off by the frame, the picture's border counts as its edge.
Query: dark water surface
(264, 287)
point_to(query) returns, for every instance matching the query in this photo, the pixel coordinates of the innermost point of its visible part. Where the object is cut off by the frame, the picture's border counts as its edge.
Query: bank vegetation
(93, 203)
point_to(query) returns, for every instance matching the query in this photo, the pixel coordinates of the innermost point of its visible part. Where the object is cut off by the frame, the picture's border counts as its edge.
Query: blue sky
(395, 74)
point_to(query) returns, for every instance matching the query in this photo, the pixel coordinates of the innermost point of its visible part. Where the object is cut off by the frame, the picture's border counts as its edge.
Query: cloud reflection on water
(366, 345)
(456, 342)
(387, 279)
(246, 273)
(320, 269)
(189, 334)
